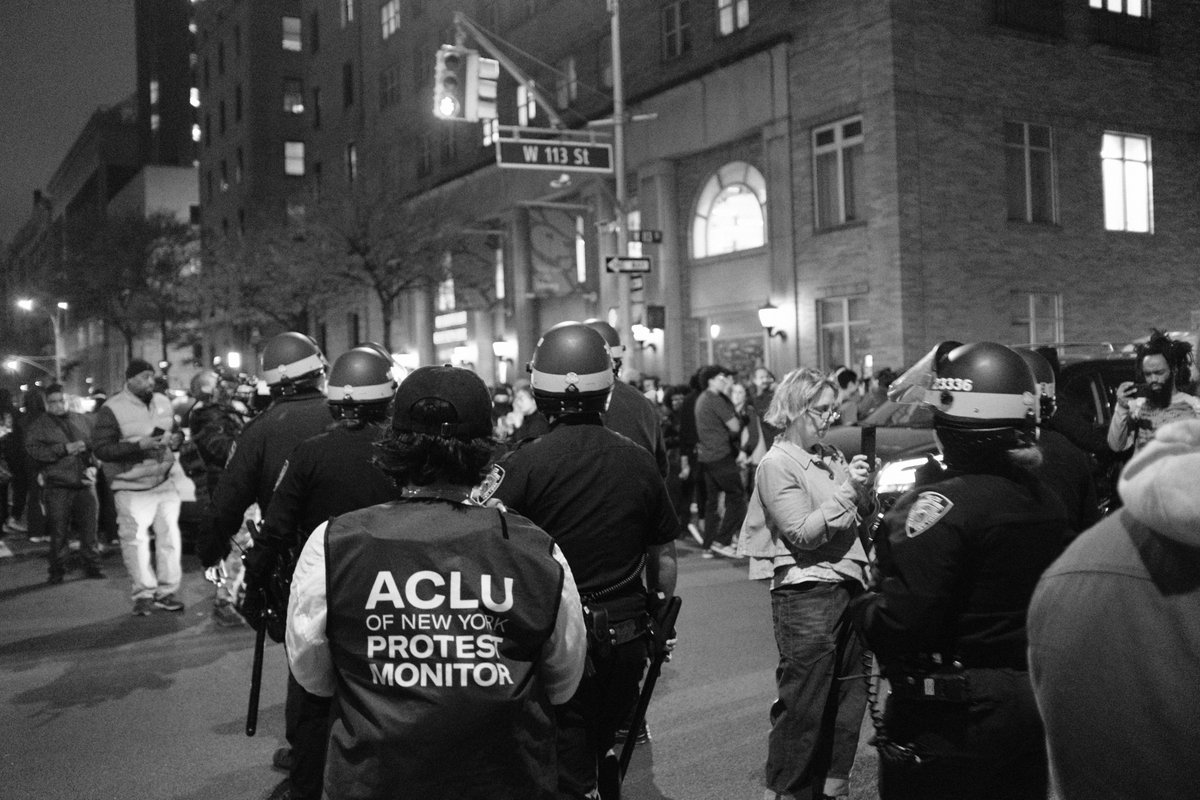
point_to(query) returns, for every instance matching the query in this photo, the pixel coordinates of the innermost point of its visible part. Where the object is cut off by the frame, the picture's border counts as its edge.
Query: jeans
(723, 477)
(137, 512)
(71, 511)
(822, 698)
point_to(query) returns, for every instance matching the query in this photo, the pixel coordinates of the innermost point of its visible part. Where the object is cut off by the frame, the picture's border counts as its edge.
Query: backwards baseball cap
(137, 366)
(443, 401)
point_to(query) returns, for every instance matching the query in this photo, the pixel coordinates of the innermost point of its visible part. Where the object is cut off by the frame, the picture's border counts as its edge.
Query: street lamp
(27, 304)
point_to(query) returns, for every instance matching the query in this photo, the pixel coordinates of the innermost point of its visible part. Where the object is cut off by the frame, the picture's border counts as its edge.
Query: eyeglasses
(825, 413)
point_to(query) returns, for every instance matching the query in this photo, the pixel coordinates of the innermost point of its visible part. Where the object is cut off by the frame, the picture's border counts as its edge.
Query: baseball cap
(443, 401)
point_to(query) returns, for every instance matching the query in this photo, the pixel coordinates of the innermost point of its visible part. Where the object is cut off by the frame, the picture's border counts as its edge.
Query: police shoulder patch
(925, 512)
(484, 491)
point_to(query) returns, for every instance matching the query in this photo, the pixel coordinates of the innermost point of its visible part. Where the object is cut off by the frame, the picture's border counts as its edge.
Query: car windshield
(900, 415)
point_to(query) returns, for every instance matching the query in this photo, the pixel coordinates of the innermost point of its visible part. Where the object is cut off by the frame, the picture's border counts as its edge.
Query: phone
(868, 445)
(157, 432)
(1141, 390)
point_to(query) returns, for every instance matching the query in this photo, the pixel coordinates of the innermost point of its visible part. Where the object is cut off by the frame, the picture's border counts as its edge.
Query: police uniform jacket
(215, 428)
(600, 496)
(445, 632)
(259, 454)
(631, 414)
(327, 475)
(961, 558)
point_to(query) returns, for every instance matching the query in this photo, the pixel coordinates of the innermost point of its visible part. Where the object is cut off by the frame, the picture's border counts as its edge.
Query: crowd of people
(474, 576)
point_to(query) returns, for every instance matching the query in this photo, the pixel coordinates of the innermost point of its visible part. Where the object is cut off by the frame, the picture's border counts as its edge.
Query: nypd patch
(925, 512)
(484, 491)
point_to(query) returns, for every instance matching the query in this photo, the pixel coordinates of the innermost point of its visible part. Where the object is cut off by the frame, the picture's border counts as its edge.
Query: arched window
(730, 212)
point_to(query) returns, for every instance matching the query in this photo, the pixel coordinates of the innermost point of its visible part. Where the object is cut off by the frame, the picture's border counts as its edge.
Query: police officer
(1065, 468)
(445, 630)
(600, 496)
(630, 413)
(958, 558)
(293, 368)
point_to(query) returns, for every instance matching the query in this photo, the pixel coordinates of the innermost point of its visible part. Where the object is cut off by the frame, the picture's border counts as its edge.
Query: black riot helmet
(292, 360)
(983, 393)
(611, 338)
(360, 385)
(571, 371)
(1043, 373)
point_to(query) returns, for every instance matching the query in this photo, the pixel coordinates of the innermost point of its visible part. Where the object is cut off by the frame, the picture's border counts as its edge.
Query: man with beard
(134, 439)
(1143, 408)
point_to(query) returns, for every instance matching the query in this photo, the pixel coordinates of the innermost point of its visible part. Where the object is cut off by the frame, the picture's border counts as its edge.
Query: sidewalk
(17, 547)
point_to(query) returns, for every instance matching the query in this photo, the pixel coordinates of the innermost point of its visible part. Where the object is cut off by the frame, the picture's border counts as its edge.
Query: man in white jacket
(1114, 636)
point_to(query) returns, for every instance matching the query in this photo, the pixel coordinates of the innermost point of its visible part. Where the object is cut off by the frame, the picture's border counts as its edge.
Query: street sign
(626, 264)
(559, 156)
(646, 236)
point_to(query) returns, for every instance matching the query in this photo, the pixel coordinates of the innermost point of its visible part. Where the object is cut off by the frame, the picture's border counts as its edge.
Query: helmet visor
(911, 387)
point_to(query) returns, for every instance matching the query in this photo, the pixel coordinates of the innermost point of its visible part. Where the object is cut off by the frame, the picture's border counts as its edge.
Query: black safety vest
(437, 617)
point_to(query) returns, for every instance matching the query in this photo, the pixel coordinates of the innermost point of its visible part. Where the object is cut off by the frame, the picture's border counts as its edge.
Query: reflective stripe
(571, 382)
(360, 394)
(982, 405)
(295, 369)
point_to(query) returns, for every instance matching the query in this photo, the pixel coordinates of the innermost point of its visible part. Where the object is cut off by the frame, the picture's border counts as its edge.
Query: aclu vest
(437, 616)
(137, 420)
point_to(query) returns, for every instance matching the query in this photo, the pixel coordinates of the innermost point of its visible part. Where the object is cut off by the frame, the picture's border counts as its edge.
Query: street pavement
(98, 704)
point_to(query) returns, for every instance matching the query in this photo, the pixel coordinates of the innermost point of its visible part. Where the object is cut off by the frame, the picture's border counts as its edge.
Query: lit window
(445, 293)
(291, 34)
(293, 158)
(566, 83)
(1029, 172)
(676, 29)
(351, 162)
(730, 212)
(1132, 8)
(347, 7)
(633, 222)
(389, 17)
(194, 97)
(732, 15)
(155, 121)
(526, 105)
(293, 96)
(195, 131)
(838, 172)
(1128, 183)
(581, 251)
(491, 132)
(498, 261)
(845, 331)
(154, 92)
(1038, 316)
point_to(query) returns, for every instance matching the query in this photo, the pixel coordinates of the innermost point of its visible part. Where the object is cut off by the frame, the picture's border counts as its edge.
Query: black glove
(259, 561)
(212, 548)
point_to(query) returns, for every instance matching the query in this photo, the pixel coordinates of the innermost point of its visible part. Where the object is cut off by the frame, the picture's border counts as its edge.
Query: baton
(260, 639)
(663, 631)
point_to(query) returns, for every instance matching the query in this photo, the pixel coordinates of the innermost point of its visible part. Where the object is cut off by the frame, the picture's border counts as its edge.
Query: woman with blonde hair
(801, 534)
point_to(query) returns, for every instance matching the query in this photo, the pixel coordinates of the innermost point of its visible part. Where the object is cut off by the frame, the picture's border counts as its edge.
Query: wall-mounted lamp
(505, 351)
(771, 318)
(643, 336)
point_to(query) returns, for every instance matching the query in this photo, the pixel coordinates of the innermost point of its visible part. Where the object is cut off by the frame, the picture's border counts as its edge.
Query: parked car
(1086, 388)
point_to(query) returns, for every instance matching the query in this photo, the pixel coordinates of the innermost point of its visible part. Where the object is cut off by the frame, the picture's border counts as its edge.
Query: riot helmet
(611, 338)
(1043, 373)
(983, 393)
(571, 371)
(360, 385)
(448, 402)
(291, 360)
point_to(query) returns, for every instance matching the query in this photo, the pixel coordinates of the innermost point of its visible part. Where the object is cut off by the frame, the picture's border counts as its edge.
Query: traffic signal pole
(624, 301)
(463, 26)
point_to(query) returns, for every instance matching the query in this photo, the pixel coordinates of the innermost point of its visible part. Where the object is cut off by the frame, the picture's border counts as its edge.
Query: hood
(1160, 486)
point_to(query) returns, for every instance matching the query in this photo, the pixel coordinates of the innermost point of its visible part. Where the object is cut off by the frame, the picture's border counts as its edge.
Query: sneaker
(282, 759)
(724, 551)
(707, 554)
(643, 736)
(168, 603)
(143, 607)
(695, 532)
(15, 526)
(95, 573)
(39, 539)
(225, 615)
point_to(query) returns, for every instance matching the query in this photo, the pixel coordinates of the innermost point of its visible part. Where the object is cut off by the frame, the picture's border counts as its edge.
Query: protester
(848, 396)
(1164, 364)
(107, 532)
(524, 421)
(134, 439)
(458, 700)
(751, 442)
(763, 382)
(801, 533)
(59, 443)
(717, 427)
(1114, 636)
(691, 471)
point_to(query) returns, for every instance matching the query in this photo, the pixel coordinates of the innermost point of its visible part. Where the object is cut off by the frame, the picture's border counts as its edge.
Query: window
(314, 32)
(526, 105)
(676, 29)
(1029, 172)
(351, 162)
(491, 131)
(730, 212)
(239, 166)
(845, 338)
(1128, 183)
(604, 59)
(732, 15)
(224, 175)
(1037, 16)
(237, 103)
(566, 83)
(347, 7)
(293, 96)
(389, 17)
(389, 87)
(221, 117)
(1123, 23)
(242, 221)
(1038, 317)
(1131, 8)
(347, 84)
(316, 107)
(445, 291)
(291, 34)
(837, 172)
(293, 158)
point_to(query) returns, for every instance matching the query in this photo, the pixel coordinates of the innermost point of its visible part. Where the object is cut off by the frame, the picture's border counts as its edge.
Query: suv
(1086, 388)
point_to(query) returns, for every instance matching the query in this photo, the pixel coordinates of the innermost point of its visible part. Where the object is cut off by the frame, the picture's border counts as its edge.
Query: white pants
(137, 512)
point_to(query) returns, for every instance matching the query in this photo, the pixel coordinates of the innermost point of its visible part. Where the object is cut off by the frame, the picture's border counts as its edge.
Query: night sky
(59, 61)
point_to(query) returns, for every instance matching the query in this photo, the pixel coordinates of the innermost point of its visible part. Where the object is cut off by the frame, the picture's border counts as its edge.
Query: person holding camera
(135, 439)
(1144, 408)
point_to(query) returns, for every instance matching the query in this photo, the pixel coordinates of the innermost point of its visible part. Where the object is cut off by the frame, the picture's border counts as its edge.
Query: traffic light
(450, 82)
(482, 76)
